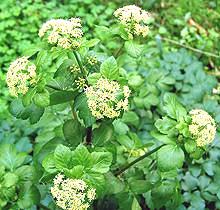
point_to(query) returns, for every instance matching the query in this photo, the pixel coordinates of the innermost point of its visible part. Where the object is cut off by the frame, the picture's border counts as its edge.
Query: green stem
(119, 51)
(79, 62)
(123, 169)
(190, 48)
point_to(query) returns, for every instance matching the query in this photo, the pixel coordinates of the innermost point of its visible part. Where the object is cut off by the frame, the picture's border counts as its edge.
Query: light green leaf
(163, 138)
(49, 164)
(170, 157)
(166, 125)
(134, 49)
(101, 161)
(42, 99)
(62, 157)
(28, 197)
(81, 156)
(173, 108)
(109, 68)
(10, 158)
(135, 205)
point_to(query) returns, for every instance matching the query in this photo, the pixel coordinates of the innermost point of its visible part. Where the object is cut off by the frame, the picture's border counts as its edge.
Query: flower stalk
(123, 169)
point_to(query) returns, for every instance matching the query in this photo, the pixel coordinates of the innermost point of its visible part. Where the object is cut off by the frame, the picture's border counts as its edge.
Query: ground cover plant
(109, 118)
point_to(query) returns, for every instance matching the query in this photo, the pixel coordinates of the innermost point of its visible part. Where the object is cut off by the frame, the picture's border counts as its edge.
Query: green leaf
(28, 197)
(134, 49)
(120, 127)
(27, 98)
(49, 164)
(140, 186)
(36, 113)
(190, 145)
(93, 78)
(170, 157)
(81, 156)
(62, 96)
(109, 68)
(135, 205)
(62, 157)
(126, 141)
(73, 132)
(84, 113)
(101, 161)
(97, 181)
(10, 158)
(25, 173)
(16, 108)
(173, 108)
(135, 81)
(42, 99)
(131, 118)
(163, 138)
(102, 134)
(113, 184)
(165, 125)
(64, 67)
(75, 172)
(90, 43)
(10, 179)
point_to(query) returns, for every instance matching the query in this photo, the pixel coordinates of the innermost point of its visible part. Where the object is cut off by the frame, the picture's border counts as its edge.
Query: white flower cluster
(72, 194)
(21, 74)
(134, 19)
(202, 127)
(107, 98)
(65, 33)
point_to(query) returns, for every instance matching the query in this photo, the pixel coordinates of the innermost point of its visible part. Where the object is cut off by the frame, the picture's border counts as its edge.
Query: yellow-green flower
(134, 19)
(72, 194)
(20, 76)
(107, 99)
(63, 33)
(202, 127)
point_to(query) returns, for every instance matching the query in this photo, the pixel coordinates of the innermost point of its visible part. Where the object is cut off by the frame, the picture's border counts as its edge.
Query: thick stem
(123, 169)
(89, 135)
(79, 62)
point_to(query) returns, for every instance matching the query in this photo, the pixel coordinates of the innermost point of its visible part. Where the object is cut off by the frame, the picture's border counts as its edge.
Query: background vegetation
(181, 55)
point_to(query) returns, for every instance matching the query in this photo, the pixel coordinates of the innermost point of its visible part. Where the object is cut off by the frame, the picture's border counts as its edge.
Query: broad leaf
(101, 161)
(109, 68)
(62, 157)
(170, 157)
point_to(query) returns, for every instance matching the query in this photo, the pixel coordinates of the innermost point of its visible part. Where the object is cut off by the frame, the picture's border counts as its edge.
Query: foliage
(144, 157)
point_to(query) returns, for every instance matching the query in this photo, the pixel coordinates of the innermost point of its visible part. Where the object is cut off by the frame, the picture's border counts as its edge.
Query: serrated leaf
(109, 68)
(62, 157)
(134, 49)
(101, 161)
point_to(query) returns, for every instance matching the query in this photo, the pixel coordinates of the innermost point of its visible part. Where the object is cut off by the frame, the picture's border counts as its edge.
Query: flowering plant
(95, 154)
